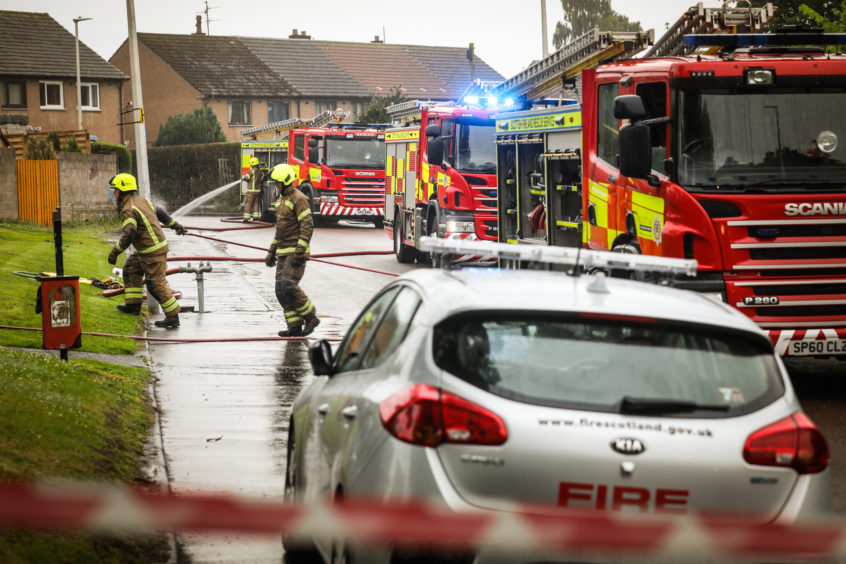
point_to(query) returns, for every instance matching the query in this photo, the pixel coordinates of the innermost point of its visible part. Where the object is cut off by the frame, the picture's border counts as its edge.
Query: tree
(836, 23)
(185, 129)
(581, 16)
(375, 111)
(790, 13)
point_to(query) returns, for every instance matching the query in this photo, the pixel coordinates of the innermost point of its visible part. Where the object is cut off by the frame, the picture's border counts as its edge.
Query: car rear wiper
(631, 404)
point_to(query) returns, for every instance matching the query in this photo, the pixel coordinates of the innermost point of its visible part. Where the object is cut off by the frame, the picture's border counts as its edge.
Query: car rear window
(606, 364)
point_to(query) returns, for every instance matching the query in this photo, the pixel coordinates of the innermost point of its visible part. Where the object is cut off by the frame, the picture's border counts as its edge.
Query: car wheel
(404, 253)
(299, 551)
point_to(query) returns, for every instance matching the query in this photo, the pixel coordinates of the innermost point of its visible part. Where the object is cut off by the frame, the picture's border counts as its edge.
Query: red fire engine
(734, 159)
(440, 177)
(341, 169)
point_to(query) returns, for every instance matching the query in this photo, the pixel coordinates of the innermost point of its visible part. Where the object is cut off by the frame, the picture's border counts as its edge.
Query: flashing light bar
(559, 255)
(764, 39)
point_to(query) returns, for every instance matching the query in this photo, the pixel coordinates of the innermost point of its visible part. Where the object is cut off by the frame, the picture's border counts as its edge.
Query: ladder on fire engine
(412, 110)
(544, 78)
(291, 123)
(732, 17)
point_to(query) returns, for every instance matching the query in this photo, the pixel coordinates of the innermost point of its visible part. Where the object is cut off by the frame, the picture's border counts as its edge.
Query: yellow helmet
(254, 161)
(283, 173)
(123, 182)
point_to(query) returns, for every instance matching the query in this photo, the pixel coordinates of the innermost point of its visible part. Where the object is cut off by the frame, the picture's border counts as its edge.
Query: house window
(13, 94)
(277, 111)
(51, 95)
(326, 106)
(357, 109)
(239, 113)
(90, 95)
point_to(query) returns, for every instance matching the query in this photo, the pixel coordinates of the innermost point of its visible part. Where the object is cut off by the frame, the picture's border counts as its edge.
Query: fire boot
(310, 324)
(132, 309)
(292, 331)
(168, 322)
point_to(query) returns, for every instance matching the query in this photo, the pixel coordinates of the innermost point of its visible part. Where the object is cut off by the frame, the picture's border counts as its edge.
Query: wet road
(224, 406)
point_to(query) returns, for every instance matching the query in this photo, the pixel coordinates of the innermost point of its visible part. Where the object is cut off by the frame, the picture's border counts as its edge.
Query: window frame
(284, 110)
(43, 94)
(91, 87)
(4, 93)
(367, 326)
(604, 142)
(246, 113)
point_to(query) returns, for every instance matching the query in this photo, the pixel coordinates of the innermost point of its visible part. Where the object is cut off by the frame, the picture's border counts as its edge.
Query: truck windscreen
(476, 151)
(359, 152)
(772, 141)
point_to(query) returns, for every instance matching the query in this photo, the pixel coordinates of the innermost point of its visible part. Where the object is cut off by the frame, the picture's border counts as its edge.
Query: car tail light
(793, 442)
(428, 416)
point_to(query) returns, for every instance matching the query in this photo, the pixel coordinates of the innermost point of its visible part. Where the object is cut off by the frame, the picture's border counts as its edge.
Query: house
(249, 81)
(38, 79)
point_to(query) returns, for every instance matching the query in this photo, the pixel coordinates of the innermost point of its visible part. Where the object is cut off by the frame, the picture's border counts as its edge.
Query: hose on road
(177, 339)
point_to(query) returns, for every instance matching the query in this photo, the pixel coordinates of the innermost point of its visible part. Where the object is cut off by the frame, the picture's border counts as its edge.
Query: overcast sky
(506, 33)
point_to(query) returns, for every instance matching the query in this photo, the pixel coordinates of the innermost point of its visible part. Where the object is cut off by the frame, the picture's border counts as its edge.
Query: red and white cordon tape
(107, 509)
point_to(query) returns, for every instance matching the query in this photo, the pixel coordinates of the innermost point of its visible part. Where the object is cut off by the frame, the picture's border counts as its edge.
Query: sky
(506, 33)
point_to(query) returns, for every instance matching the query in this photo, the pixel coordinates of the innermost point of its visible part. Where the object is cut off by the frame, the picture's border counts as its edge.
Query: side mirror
(320, 356)
(433, 130)
(313, 154)
(435, 151)
(313, 142)
(635, 151)
(629, 107)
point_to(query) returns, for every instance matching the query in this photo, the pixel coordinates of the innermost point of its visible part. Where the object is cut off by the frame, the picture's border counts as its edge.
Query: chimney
(376, 39)
(199, 26)
(299, 35)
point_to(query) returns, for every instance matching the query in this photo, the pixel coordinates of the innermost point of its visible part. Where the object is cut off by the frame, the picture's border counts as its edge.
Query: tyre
(379, 222)
(299, 551)
(403, 252)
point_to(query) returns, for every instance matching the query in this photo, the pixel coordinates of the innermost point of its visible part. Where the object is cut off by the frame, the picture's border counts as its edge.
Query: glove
(270, 260)
(179, 229)
(245, 177)
(113, 255)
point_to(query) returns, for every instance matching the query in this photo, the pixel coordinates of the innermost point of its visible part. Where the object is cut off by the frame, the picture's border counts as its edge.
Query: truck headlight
(333, 199)
(460, 227)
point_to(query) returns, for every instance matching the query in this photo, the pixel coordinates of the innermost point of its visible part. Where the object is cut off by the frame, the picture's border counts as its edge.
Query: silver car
(493, 389)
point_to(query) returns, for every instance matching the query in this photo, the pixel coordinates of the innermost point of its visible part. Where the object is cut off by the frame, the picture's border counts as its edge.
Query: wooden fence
(38, 190)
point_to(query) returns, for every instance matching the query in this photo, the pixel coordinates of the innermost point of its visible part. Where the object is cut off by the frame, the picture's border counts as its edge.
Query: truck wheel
(379, 222)
(631, 248)
(433, 218)
(404, 253)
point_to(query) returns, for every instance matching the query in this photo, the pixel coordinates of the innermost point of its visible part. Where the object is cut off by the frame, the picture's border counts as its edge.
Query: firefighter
(254, 179)
(142, 228)
(289, 251)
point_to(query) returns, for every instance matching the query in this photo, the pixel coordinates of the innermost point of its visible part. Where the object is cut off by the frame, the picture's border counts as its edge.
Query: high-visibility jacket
(254, 178)
(294, 224)
(142, 225)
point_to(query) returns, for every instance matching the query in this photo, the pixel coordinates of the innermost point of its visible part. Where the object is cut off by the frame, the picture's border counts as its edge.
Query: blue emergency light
(726, 40)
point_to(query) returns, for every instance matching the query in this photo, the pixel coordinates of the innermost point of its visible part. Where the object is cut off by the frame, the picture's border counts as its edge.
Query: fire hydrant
(198, 271)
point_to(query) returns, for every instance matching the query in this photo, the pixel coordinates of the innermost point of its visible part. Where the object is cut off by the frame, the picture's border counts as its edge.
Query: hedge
(182, 173)
(124, 156)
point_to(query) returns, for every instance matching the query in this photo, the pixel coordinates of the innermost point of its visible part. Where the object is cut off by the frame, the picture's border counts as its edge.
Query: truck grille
(358, 192)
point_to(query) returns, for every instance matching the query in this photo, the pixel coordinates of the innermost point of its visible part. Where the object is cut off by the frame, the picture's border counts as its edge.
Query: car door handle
(323, 409)
(350, 412)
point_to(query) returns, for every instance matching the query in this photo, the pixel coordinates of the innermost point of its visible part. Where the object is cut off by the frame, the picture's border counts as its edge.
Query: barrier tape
(106, 509)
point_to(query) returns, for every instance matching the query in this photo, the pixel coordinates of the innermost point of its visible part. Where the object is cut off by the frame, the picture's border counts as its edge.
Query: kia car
(493, 389)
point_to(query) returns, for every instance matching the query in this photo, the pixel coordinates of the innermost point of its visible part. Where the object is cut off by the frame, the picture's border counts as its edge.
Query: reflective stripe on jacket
(143, 218)
(294, 224)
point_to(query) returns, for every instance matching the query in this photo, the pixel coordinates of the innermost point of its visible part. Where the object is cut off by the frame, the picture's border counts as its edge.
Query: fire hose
(174, 339)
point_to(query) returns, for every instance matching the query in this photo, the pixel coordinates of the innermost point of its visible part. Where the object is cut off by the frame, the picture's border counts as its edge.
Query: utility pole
(138, 105)
(543, 29)
(78, 86)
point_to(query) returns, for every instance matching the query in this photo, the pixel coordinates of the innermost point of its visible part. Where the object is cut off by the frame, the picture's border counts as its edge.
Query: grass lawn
(78, 420)
(30, 248)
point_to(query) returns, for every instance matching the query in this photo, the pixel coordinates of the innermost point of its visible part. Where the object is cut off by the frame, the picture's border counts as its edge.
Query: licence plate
(805, 348)
(365, 211)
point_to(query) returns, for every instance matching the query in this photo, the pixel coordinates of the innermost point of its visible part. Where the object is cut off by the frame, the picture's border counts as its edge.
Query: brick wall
(8, 184)
(83, 181)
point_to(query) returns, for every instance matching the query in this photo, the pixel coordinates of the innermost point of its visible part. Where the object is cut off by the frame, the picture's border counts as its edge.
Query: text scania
(819, 208)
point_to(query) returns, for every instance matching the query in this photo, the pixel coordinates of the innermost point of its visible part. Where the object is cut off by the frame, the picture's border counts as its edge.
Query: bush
(186, 129)
(39, 149)
(183, 173)
(124, 157)
(71, 147)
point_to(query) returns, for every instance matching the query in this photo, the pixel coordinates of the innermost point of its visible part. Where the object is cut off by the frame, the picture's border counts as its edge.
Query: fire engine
(440, 175)
(727, 152)
(341, 170)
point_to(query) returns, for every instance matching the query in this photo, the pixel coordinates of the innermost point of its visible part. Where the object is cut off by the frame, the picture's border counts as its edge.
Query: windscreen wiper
(631, 404)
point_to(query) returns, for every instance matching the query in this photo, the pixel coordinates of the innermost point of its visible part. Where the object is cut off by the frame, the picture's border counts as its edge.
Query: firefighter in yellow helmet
(142, 228)
(255, 178)
(289, 251)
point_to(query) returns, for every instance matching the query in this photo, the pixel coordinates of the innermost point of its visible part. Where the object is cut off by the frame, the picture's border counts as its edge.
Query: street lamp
(78, 86)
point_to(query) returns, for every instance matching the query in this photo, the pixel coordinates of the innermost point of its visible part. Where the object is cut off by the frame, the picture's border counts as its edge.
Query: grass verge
(26, 247)
(80, 419)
